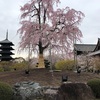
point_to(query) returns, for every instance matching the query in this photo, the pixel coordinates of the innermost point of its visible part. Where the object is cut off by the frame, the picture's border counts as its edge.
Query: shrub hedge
(6, 92)
(9, 66)
(4, 65)
(19, 66)
(64, 65)
(95, 86)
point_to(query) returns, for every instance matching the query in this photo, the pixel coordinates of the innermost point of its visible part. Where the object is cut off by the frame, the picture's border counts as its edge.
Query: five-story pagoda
(5, 49)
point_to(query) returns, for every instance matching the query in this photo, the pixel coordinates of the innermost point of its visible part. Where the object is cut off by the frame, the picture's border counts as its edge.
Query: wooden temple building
(84, 48)
(88, 49)
(6, 49)
(84, 52)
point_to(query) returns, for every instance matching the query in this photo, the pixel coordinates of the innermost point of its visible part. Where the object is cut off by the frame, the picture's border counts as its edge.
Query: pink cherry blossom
(41, 26)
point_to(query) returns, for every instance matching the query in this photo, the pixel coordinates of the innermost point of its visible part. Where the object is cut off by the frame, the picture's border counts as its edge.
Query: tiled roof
(85, 47)
(94, 53)
(96, 50)
(6, 41)
(97, 46)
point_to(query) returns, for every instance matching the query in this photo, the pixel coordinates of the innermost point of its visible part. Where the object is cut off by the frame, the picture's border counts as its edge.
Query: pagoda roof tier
(6, 47)
(6, 58)
(6, 41)
(6, 52)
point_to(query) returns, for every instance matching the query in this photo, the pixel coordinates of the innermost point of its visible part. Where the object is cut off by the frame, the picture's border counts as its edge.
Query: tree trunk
(41, 61)
(41, 58)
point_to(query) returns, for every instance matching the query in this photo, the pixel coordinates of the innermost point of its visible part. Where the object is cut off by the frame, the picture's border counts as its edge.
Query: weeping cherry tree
(43, 26)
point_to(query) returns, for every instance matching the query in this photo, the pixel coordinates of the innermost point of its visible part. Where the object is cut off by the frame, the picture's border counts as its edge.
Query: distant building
(80, 53)
(84, 48)
(83, 53)
(5, 49)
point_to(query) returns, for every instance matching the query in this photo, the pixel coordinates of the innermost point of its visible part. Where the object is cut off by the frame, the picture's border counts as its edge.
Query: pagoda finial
(7, 34)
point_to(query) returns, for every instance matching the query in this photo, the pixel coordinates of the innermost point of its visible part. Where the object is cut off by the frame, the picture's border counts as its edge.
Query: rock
(27, 91)
(74, 91)
(50, 94)
(67, 91)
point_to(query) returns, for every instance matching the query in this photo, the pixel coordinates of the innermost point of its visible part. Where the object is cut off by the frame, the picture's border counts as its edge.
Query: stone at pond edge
(74, 91)
(27, 91)
(67, 91)
(50, 94)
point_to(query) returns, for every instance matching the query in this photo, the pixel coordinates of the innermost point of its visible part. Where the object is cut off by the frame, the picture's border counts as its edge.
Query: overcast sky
(90, 26)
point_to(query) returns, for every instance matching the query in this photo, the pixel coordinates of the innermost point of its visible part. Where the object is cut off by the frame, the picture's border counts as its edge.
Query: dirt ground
(45, 77)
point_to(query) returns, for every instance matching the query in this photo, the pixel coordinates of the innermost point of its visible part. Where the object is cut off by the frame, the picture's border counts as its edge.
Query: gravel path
(45, 77)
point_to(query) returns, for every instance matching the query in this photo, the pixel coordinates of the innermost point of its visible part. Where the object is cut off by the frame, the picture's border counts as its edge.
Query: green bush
(4, 65)
(1, 69)
(64, 65)
(6, 92)
(95, 86)
(9, 66)
(19, 66)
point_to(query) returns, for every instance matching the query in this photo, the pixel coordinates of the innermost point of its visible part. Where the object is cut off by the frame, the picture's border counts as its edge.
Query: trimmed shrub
(9, 66)
(4, 65)
(1, 69)
(6, 92)
(19, 66)
(95, 86)
(64, 65)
